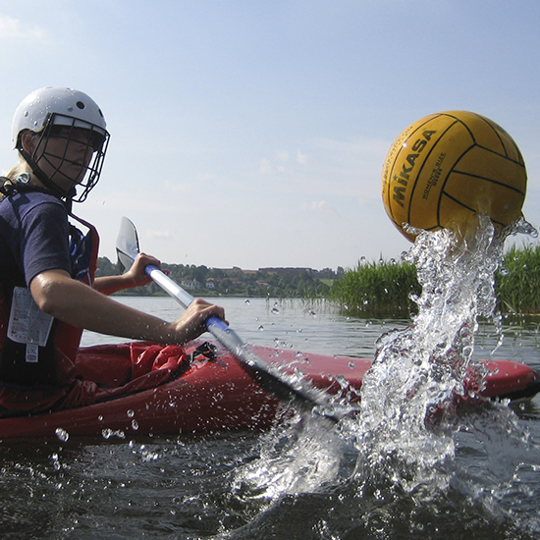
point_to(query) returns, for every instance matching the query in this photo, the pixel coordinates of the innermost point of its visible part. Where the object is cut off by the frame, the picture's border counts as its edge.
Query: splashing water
(297, 458)
(420, 417)
(420, 404)
(419, 372)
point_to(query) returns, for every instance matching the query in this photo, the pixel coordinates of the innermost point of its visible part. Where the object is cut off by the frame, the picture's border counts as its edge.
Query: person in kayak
(48, 293)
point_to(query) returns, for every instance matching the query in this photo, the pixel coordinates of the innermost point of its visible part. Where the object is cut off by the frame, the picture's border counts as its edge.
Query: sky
(253, 133)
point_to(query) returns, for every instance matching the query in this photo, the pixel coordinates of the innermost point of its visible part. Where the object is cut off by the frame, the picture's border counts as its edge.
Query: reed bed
(378, 288)
(518, 281)
(384, 288)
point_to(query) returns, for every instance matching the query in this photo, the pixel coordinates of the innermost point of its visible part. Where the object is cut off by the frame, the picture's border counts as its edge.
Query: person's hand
(136, 276)
(191, 324)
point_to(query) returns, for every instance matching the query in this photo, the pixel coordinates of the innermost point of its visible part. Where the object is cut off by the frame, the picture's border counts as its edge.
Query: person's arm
(57, 294)
(134, 277)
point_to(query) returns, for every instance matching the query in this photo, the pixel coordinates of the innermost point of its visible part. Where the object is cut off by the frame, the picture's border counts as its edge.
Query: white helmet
(36, 109)
(49, 107)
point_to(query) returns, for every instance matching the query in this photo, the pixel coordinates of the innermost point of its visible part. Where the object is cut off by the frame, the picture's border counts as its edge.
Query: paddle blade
(127, 244)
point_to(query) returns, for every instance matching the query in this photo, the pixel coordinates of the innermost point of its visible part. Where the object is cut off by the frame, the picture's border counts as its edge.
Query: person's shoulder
(29, 206)
(32, 199)
(41, 196)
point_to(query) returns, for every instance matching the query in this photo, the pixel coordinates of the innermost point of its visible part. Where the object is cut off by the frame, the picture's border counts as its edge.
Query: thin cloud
(314, 206)
(157, 234)
(343, 168)
(11, 28)
(267, 167)
(177, 187)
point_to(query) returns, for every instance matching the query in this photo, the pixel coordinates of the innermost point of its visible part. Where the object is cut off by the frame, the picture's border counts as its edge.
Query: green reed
(378, 288)
(384, 288)
(518, 281)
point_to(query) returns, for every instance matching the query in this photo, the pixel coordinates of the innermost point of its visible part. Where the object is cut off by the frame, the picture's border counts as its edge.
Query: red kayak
(213, 392)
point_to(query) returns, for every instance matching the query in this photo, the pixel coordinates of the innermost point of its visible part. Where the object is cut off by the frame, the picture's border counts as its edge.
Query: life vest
(37, 351)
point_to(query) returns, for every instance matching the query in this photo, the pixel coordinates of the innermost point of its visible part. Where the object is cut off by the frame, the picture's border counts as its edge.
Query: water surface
(303, 480)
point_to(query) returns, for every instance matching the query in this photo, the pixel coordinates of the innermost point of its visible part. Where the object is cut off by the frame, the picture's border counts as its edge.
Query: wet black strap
(6, 187)
(205, 351)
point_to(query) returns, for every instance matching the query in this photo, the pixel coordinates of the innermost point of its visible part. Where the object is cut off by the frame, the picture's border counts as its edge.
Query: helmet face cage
(74, 131)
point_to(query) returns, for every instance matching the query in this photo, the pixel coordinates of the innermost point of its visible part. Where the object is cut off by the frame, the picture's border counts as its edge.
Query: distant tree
(106, 267)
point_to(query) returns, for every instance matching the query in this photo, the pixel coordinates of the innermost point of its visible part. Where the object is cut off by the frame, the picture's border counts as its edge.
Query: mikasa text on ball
(447, 167)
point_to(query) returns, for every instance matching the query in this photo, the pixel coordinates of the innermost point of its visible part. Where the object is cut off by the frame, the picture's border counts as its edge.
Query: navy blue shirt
(34, 236)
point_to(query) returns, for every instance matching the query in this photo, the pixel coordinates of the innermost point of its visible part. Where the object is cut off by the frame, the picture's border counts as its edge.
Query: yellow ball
(448, 167)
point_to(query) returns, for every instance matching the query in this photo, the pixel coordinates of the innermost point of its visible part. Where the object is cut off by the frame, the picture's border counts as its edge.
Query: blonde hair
(18, 169)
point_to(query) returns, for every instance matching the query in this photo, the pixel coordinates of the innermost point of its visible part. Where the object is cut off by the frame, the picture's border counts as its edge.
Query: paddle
(282, 385)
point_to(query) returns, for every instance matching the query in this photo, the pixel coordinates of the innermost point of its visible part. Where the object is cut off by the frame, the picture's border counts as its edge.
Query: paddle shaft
(180, 295)
(270, 377)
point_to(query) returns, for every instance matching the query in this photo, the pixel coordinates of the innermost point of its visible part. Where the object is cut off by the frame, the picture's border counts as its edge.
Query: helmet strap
(68, 200)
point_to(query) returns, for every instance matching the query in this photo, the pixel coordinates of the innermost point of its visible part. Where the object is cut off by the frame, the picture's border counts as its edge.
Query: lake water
(302, 480)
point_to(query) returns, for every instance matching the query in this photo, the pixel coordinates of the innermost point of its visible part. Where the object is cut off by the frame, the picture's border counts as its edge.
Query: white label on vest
(32, 354)
(27, 323)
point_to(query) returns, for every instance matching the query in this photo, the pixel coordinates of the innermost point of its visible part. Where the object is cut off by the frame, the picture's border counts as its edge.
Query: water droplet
(108, 433)
(275, 311)
(56, 462)
(247, 302)
(135, 425)
(130, 413)
(261, 328)
(62, 434)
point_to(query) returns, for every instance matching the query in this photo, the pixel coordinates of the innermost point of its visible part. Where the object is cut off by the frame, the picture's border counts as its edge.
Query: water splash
(420, 372)
(420, 410)
(427, 451)
(301, 456)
